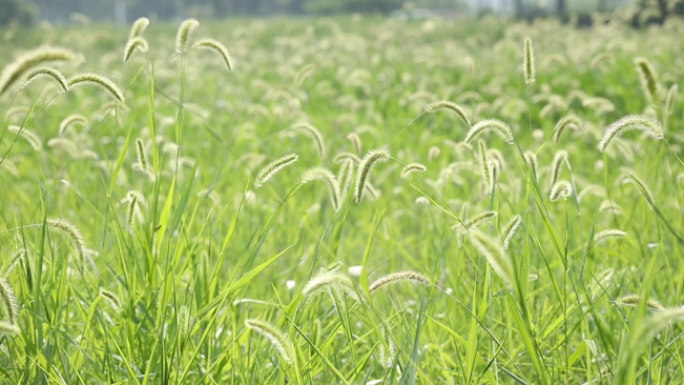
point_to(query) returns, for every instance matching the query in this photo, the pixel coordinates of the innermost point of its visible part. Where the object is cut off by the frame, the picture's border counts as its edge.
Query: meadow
(342, 201)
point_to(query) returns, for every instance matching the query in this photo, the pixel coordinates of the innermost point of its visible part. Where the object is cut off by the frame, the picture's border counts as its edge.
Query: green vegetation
(356, 202)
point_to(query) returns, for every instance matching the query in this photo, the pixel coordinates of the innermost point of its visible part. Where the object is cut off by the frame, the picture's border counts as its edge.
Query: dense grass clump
(462, 203)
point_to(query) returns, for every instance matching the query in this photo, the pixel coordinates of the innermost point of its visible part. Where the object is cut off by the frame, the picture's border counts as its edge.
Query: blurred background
(122, 12)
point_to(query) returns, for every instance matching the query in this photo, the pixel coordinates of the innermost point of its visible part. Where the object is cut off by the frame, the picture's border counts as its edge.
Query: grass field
(152, 241)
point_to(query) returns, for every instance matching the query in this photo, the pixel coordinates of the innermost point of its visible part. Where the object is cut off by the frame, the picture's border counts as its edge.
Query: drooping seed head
(486, 172)
(647, 124)
(449, 106)
(387, 350)
(411, 168)
(183, 34)
(183, 326)
(345, 177)
(31, 137)
(314, 134)
(372, 158)
(649, 80)
(561, 189)
(327, 177)
(138, 27)
(112, 299)
(557, 165)
(433, 153)
(15, 70)
(329, 279)
(499, 127)
(508, 231)
(9, 329)
(275, 337)
(528, 62)
(140, 151)
(72, 232)
(355, 139)
(9, 301)
(633, 300)
(343, 157)
(402, 276)
(304, 73)
(477, 219)
(273, 168)
(48, 73)
(569, 121)
(99, 81)
(135, 44)
(495, 255)
(219, 48)
(71, 120)
(607, 234)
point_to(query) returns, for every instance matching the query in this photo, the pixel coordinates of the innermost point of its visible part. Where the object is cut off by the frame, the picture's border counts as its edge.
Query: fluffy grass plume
(557, 165)
(411, 168)
(508, 231)
(73, 233)
(327, 177)
(314, 134)
(649, 80)
(140, 152)
(135, 44)
(273, 168)
(484, 126)
(645, 191)
(275, 337)
(46, 72)
(34, 140)
(387, 350)
(112, 299)
(485, 172)
(372, 158)
(633, 300)
(8, 329)
(15, 70)
(650, 126)
(329, 279)
(183, 34)
(561, 189)
(219, 48)
(402, 276)
(138, 27)
(71, 120)
(355, 139)
(133, 211)
(446, 105)
(183, 326)
(9, 301)
(477, 219)
(494, 254)
(97, 80)
(345, 177)
(569, 121)
(528, 62)
(342, 157)
(303, 74)
(607, 234)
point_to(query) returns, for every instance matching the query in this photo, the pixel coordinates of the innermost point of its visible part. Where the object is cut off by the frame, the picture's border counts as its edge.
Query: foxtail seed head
(71, 120)
(411, 168)
(220, 49)
(275, 337)
(607, 234)
(274, 167)
(449, 106)
(138, 27)
(566, 122)
(183, 34)
(561, 189)
(72, 232)
(135, 44)
(112, 299)
(633, 300)
(499, 127)
(528, 62)
(9, 301)
(372, 158)
(355, 139)
(410, 276)
(9, 329)
(648, 125)
(99, 81)
(314, 134)
(508, 232)
(15, 70)
(495, 255)
(327, 177)
(531, 159)
(48, 73)
(649, 80)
